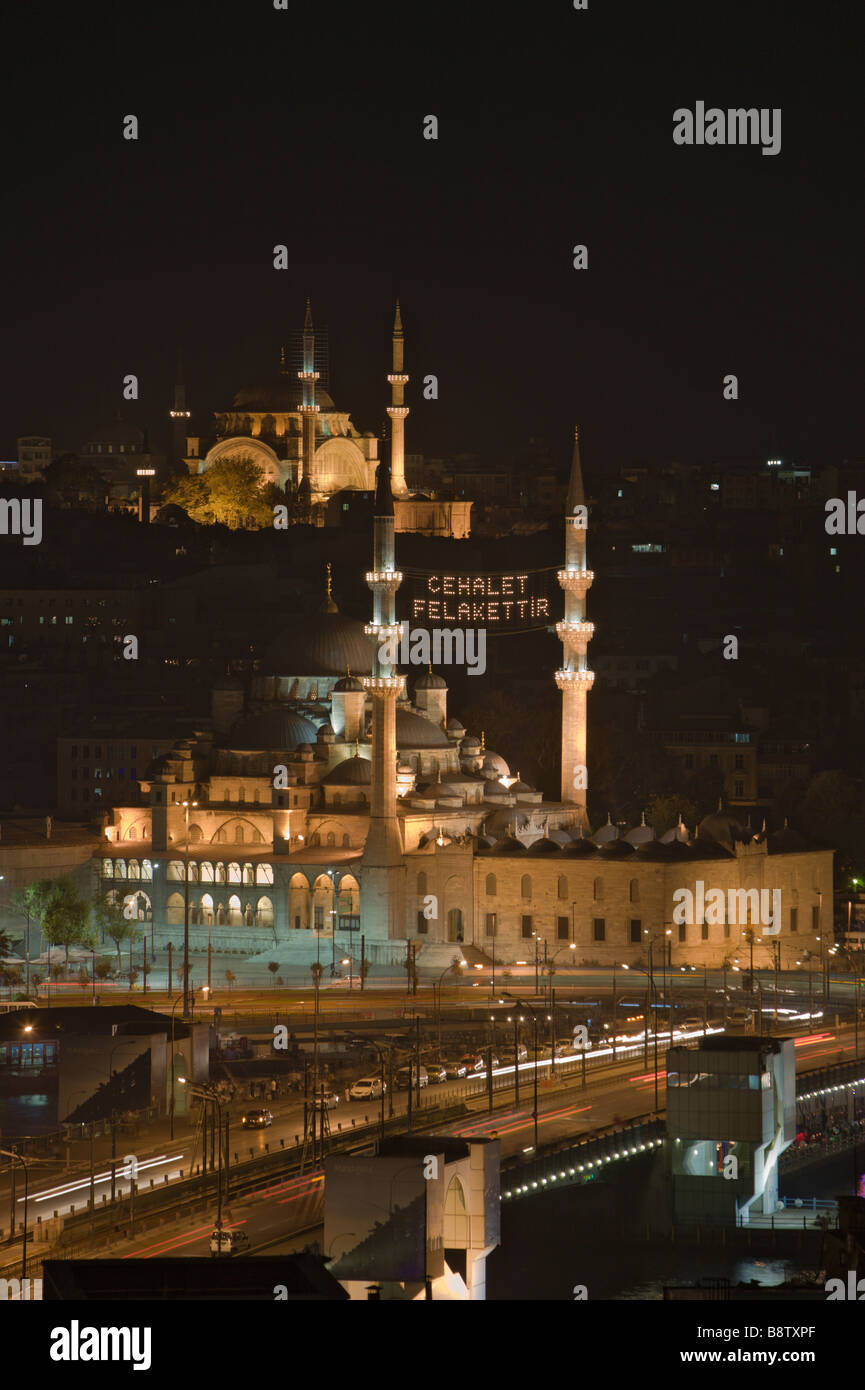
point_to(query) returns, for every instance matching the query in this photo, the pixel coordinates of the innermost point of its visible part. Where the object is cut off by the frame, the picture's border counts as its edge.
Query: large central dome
(278, 396)
(328, 644)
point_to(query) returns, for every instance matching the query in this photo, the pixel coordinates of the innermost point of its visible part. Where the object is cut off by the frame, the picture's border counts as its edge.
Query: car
(454, 1070)
(473, 1062)
(256, 1119)
(691, 1025)
(409, 1076)
(739, 1017)
(436, 1071)
(368, 1088)
(225, 1242)
(327, 1101)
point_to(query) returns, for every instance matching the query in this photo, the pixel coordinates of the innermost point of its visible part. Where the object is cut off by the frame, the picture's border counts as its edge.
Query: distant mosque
(292, 429)
(326, 804)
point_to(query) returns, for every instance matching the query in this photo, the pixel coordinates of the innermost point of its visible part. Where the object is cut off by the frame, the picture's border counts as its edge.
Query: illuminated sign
(506, 600)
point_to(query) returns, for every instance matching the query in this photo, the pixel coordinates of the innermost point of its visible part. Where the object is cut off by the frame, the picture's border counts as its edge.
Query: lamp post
(18, 1158)
(208, 1094)
(186, 807)
(649, 974)
(171, 1063)
(380, 1050)
(531, 1010)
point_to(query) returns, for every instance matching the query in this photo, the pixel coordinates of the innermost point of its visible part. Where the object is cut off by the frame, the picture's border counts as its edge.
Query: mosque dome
(495, 766)
(544, 846)
(786, 841)
(351, 772)
(325, 644)
(579, 849)
(277, 727)
(349, 685)
(509, 845)
(455, 727)
(281, 394)
(724, 829)
(413, 731)
(430, 681)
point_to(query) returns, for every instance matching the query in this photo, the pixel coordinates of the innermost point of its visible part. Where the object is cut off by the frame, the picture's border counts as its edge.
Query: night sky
(305, 127)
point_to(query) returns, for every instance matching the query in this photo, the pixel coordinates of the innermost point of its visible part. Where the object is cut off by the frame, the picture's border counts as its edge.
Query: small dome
(509, 845)
(722, 828)
(430, 681)
(455, 727)
(349, 684)
(579, 849)
(326, 731)
(496, 792)
(616, 849)
(351, 772)
(786, 841)
(495, 766)
(640, 834)
(470, 745)
(544, 846)
(606, 833)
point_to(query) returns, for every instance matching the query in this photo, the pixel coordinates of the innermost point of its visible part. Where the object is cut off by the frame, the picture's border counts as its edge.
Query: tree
(5, 943)
(108, 917)
(232, 492)
(65, 919)
(663, 812)
(316, 969)
(273, 966)
(230, 978)
(71, 481)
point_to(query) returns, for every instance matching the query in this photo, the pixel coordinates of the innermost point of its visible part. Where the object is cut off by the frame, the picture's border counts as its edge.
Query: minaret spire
(308, 409)
(382, 866)
(574, 679)
(179, 417)
(397, 410)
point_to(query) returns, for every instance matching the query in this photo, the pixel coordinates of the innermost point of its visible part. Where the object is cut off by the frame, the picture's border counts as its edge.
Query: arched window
(175, 871)
(492, 888)
(598, 889)
(331, 839)
(248, 873)
(346, 842)
(526, 886)
(107, 872)
(235, 918)
(220, 873)
(257, 837)
(634, 890)
(264, 873)
(193, 871)
(147, 870)
(234, 873)
(256, 795)
(241, 793)
(226, 795)
(264, 913)
(120, 868)
(562, 888)
(238, 834)
(421, 884)
(221, 835)
(206, 873)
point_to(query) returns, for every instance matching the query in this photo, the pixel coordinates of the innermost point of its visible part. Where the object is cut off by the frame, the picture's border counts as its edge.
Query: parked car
(436, 1070)
(256, 1119)
(692, 1025)
(368, 1088)
(407, 1076)
(327, 1101)
(473, 1062)
(228, 1242)
(454, 1070)
(739, 1017)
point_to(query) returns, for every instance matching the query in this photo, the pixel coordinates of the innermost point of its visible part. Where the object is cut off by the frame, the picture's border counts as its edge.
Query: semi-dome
(351, 772)
(283, 393)
(322, 645)
(413, 731)
(272, 728)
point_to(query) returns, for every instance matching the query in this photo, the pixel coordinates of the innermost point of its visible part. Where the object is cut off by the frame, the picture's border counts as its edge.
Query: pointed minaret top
(307, 322)
(397, 322)
(576, 492)
(383, 494)
(329, 605)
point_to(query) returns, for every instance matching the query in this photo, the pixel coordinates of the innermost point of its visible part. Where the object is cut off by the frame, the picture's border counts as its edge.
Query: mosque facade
(327, 802)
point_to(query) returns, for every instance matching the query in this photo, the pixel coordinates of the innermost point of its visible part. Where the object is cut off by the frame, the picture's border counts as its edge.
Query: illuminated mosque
(292, 429)
(328, 802)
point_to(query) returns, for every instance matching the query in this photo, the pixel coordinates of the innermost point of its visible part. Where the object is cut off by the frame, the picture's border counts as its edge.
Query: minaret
(308, 409)
(574, 679)
(179, 417)
(396, 410)
(382, 867)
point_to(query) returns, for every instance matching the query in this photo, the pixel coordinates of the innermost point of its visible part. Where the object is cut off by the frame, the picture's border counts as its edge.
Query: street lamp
(531, 1010)
(649, 974)
(207, 1093)
(186, 807)
(380, 1050)
(171, 1102)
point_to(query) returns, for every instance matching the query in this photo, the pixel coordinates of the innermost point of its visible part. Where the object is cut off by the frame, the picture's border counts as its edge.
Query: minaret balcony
(586, 631)
(398, 379)
(397, 412)
(575, 680)
(383, 631)
(308, 376)
(384, 579)
(383, 685)
(308, 409)
(576, 581)
(180, 414)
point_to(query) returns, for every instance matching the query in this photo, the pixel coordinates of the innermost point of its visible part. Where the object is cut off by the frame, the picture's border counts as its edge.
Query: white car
(368, 1088)
(227, 1242)
(328, 1100)
(692, 1025)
